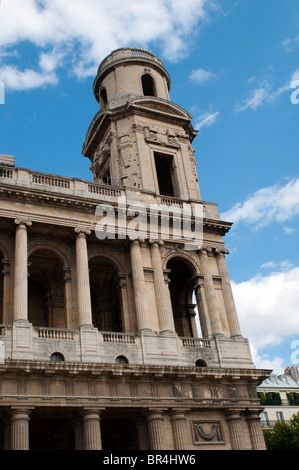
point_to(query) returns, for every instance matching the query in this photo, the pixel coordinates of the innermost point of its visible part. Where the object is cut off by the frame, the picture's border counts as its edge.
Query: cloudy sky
(234, 66)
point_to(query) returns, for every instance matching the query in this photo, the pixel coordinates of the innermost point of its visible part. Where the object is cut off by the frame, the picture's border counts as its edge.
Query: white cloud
(85, 32)
(206, 120)
(256, 98)
(263, 361)
(15, 79)
(290, 43)
(268, 308)
(288, 230)
(274, 203)
(265, 93)
(201, 76)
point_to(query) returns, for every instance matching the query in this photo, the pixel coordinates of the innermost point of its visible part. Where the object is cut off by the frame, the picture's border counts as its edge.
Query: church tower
(118, 327)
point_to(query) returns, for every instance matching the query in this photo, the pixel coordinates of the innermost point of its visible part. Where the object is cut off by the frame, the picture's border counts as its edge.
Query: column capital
(205, 250)
(82, 230)
(198, 280)
(254, 413)
(23, 223)
(153, 242)
(6, 267)
(135, 240)
(221, 251)
(67, 274)
(233, 414)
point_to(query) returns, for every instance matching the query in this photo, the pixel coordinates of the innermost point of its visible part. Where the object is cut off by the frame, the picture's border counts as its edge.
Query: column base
(89, 343)
(22, 340)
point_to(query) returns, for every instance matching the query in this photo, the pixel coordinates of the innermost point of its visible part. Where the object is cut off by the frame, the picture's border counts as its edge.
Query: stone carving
(207, 432)
(101, 158)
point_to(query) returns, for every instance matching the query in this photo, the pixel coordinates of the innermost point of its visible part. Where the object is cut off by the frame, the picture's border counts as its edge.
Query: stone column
(210, 294)
(155, 430)
(163, 304)
(142, 434)
(178, 420)
(255, 430)
(228, 296)
(92, 430)
(79, 434)
(202, 308)
(21, 272)
(20, 429)
(141, 305)
(83, 286)
(233, 418)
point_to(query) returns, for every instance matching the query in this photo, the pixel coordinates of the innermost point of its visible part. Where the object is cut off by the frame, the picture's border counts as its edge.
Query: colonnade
(150, 429)
(204, 287)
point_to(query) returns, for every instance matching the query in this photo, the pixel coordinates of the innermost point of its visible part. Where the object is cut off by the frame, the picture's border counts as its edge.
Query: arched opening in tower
(181, 288)
(105, 295)
(46, 296)
(148, 85)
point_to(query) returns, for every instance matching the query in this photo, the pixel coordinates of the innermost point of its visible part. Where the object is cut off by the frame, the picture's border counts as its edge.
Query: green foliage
(284, 436)
(293, 398)
(270, 398)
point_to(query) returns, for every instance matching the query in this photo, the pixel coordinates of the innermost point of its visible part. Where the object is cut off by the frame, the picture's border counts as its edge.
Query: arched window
(105, 295)
(57, 357)
(200, 363)
(148, 85)
(46, 295)
(181, 288)
(121, 360)
(103, 98)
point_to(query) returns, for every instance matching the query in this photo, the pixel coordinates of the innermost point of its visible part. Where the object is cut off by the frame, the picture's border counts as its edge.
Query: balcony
(269, 424)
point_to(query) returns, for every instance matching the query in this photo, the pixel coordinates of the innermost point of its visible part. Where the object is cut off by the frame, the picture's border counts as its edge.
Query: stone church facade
(118, 329)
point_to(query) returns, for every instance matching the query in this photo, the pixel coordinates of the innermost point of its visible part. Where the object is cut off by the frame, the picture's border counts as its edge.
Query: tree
(284, 436)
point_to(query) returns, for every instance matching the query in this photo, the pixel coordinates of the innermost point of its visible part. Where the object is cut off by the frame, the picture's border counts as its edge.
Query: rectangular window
(165, 174)
(279, 415)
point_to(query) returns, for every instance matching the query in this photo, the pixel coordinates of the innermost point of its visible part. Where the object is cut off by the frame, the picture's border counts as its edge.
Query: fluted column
(155, 430)
(79, 434)
(142, 433)
(20, 429)
(210, 294)
(202, 308)
(228, 296)
(178, 420)
(82, 272)
(92, 430)
(21, 271)
(139, 286)
(163, 304)
(235, 429)
(255, 430)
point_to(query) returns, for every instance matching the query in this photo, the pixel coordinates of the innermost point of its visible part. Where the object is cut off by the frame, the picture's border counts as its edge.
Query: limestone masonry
(118, 328)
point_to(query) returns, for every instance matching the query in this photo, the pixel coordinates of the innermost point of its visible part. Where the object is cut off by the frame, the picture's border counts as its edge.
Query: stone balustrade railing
(196, 342)
(112, 337)
(57, 333)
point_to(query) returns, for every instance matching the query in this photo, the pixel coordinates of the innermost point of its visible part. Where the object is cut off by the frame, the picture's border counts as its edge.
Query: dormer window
(148, 85)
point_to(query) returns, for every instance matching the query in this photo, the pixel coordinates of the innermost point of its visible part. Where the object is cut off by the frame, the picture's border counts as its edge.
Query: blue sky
(232, 65)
